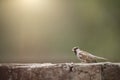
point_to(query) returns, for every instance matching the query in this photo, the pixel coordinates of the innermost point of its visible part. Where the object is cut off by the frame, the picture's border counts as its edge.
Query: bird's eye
(74, 48)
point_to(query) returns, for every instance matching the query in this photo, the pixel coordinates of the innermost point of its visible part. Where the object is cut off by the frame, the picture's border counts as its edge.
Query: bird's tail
(101, 58)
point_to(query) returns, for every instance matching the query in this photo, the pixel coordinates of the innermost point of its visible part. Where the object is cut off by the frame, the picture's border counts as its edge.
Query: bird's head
(74, 49)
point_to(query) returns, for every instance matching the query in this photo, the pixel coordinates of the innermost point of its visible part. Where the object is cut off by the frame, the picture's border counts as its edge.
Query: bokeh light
(47, 30)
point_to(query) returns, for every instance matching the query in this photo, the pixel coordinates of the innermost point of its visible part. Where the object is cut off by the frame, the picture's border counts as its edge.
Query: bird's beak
(72, 49)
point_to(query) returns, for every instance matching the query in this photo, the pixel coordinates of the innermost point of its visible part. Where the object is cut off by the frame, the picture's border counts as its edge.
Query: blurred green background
(47, 30)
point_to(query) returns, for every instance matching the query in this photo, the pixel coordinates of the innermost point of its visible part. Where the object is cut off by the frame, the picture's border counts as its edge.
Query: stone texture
(60, 71)
(111, 71)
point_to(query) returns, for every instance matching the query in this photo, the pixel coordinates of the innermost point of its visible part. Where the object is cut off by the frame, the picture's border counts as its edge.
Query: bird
(86, 57)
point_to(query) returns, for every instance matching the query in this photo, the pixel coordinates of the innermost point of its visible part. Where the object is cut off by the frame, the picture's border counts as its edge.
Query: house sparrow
(86, 57)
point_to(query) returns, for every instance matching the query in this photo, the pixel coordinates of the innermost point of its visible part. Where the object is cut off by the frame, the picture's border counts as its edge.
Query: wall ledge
(60, 71)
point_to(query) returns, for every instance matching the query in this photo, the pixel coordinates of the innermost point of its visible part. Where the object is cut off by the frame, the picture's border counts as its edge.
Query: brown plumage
(85, 57)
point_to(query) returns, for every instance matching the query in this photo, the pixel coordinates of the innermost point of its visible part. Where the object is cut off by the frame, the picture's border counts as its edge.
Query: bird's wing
(87, 54)
(88, 57)
(93, 56)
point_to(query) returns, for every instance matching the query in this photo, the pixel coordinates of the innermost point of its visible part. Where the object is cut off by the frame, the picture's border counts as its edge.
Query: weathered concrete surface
(60, 71)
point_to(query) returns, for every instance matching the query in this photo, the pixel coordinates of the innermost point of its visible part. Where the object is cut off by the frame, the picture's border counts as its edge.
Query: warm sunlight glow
(33, 3)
